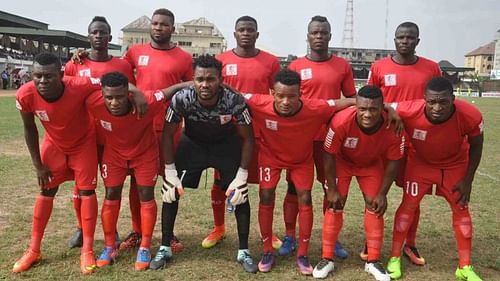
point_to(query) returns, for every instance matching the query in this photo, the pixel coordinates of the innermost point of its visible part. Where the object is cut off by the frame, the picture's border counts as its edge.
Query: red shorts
(302, 176)
(80, 166)
(253, 167)
(159, 135)
(115, 169)
(369, 180)
(420, 178)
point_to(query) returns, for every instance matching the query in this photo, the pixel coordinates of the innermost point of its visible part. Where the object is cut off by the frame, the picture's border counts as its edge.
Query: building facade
(481, 59)
(198, 36)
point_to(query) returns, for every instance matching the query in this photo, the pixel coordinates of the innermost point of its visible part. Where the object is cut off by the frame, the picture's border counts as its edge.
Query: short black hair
(100, 19)
(246, 18)
(439, 84)
(370, 92)
(114, 79)
(208, 61)
(287, 77)
(47, 59)
(409, 24)
(318, 18)
(164, 12)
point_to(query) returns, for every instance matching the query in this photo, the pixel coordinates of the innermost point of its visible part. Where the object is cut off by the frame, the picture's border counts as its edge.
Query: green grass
(435, 237)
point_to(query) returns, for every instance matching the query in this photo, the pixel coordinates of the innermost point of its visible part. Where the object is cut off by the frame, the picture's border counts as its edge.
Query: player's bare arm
(139, 103)
(170, 91)
(393, 117)
(464, 186)
(379, 203)
(344, 103)
(31, 138)
(246, 133)
(332, 194)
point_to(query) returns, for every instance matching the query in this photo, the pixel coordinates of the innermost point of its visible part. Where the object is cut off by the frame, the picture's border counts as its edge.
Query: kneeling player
(357, 144)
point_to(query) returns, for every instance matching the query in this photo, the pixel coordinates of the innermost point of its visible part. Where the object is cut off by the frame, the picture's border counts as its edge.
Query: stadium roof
(11, 20)
(488, 49)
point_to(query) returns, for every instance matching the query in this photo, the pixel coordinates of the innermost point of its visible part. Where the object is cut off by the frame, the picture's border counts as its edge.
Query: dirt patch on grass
(14, 148)
(7, 93)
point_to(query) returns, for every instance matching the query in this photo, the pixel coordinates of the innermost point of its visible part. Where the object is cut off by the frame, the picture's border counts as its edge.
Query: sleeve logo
(143, 60)
(18, 105)
(481, 126)
(231, 69)
(390, 80)
(159, 95)
(419, 134)
(306, 74)
(331, 102)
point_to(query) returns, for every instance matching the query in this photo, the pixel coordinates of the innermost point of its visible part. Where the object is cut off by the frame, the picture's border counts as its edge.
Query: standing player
(215, 120)
(97, 63)
(403, 77)
(446, 138)
(158, 65)
(284, 119)
(323, 77)
(357, 145)
(68, 150)
(248, 70)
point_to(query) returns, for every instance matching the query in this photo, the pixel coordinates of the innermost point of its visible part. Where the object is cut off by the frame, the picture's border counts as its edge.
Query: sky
(448, 28)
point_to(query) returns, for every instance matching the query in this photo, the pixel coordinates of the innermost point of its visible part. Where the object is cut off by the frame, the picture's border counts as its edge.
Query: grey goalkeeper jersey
(208, 124)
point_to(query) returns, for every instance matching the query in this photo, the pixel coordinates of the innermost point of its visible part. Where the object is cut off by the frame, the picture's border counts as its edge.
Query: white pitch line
(488, 176)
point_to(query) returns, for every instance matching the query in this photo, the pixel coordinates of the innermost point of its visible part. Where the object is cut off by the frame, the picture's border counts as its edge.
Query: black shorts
(192, 157)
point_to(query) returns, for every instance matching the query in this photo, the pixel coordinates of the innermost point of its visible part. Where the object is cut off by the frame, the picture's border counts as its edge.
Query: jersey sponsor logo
(329, 137)
(306, 74)
(481, 125)
(272, 125)
(42, 115)
(351, 142)
(18, 105)
(106, 125)
(143, 60)
(85, 73)
(390, 79)
(419, 134)
(232, 69)
(159, 95)
(331, 102)
(225, 118)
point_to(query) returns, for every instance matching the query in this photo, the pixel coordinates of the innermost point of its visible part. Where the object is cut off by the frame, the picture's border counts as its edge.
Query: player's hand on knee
(379, 205)
(44, 176)
(240, 188)
(171, 184)
(334, 198)
(463, 188)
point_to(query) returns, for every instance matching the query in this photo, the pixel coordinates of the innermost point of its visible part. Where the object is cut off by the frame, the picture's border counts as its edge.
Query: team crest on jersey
(272, 125)
(159, 95)
(419, 134)
(42, 114)
(390, 79)
(306, 74)
(231, 69)
(329, 137)
(351, 142)
(18, 105)
(331, 102)
(85, 73)
(143, 60)
(106, 125)
(225, 118)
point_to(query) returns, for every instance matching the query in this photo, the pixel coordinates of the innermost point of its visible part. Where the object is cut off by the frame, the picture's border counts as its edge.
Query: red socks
(89, 219)
(305, 228)
(148, 220)
(218, 204)
(290, 212)
(77, 205)
(402, 222)
(41, 215)
(462, 225)
(109, 216)
(332, 224)
(412, 232)
(266, 226)
(135, 206)
(374, 229)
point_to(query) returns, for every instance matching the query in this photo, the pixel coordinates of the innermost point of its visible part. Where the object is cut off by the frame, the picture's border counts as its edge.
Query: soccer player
(283, 119)
(403, 77)
(217, 134)
(248, 70)
(68, 150)
(158, 65)
(446, 138)
(357, 144)
(323, 76)
(130, 148)
(95, 64)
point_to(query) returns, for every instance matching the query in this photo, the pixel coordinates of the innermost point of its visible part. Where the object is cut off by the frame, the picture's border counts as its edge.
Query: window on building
(215, 45)
(488, 67)
(185, 43)
(490, 58)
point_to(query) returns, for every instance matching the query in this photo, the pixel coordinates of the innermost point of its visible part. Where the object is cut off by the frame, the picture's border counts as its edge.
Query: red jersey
(357, 149)
(97, 69)
(288, 141)
(442, 145)
(402, 82)
(126, 135)
(66, 121)
(159, 69)
(249, 75)
(324, 80)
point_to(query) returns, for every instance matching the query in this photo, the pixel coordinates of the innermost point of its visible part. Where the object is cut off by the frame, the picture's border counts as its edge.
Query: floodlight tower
(386, 22)
(348, 36)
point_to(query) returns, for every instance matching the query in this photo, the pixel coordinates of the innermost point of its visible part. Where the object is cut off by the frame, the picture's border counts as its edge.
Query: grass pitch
(435, 236)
